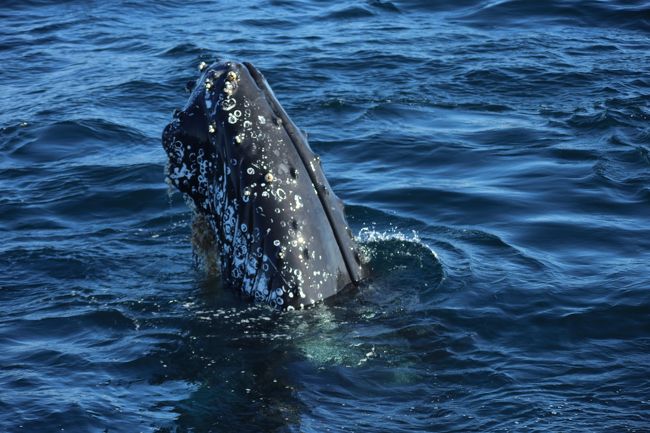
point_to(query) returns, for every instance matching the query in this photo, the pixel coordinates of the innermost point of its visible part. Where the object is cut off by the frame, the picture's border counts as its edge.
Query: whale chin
(244, 166)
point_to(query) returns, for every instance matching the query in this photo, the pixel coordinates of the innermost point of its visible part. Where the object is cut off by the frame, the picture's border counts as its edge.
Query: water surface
(494, 157)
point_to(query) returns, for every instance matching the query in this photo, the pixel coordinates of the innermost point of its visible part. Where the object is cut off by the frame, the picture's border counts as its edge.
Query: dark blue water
(495, 160)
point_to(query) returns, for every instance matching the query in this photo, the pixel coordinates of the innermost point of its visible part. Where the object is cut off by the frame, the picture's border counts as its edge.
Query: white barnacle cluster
(176, 169)
(228, 103)
(189, 168)
(228, 88)
(242, 255)
(234, 116)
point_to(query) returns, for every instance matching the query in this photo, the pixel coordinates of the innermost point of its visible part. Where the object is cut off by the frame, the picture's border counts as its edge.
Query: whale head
(281, 232)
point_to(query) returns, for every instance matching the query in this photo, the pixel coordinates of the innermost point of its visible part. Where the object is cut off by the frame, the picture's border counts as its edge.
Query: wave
(366, 9)
(499, 13)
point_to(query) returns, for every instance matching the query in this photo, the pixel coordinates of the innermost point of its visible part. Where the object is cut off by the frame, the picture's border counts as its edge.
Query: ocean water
(494, 157)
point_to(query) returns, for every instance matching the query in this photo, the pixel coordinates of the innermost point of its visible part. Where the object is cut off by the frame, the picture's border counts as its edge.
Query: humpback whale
(245, 167)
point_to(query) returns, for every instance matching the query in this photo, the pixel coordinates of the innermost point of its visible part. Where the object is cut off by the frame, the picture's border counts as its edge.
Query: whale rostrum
(280, 231)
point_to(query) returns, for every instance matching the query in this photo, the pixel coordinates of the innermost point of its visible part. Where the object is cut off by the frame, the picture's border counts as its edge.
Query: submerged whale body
(281, 234)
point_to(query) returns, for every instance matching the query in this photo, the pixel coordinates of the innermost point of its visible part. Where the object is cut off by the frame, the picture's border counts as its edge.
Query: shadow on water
(236, 358)
(256, 368)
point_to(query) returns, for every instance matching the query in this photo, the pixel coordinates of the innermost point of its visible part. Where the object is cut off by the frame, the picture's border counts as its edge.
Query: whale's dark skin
(280, 231)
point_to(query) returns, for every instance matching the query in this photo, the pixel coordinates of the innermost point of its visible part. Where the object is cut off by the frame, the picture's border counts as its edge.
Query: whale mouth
(243, 164)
